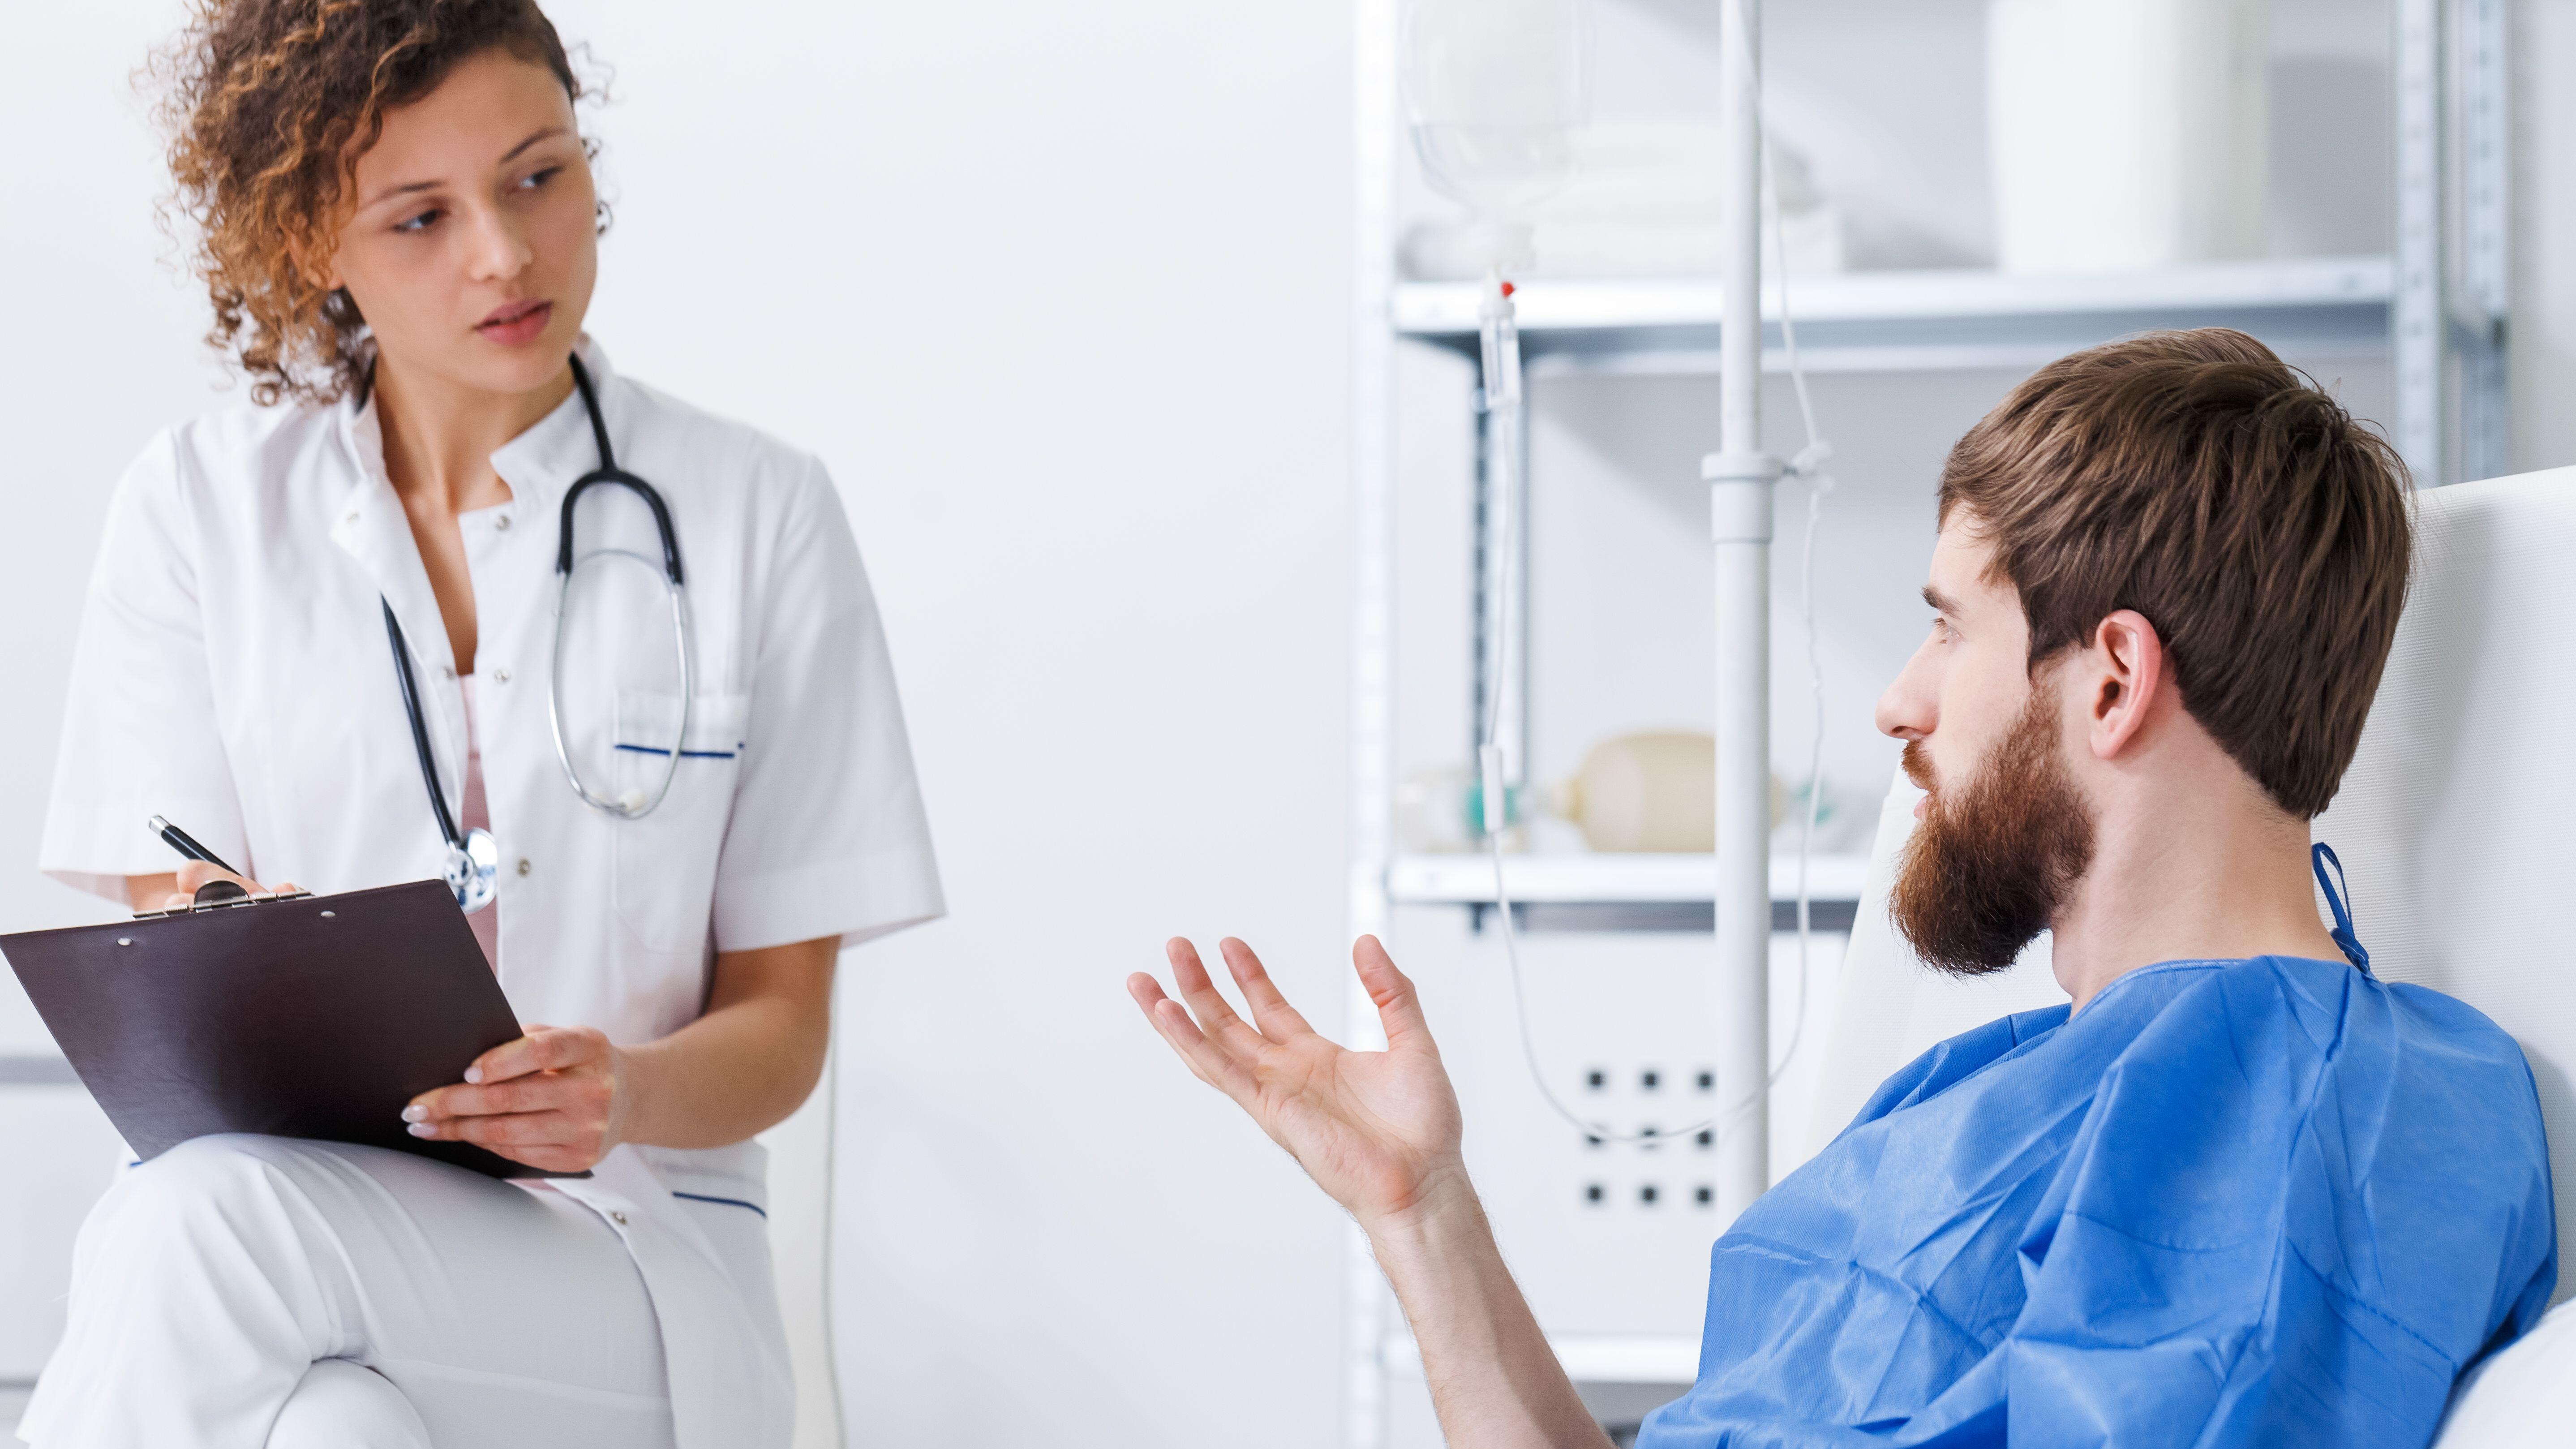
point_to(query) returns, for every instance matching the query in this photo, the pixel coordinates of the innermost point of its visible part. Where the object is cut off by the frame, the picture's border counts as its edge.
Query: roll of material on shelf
(2127, 134)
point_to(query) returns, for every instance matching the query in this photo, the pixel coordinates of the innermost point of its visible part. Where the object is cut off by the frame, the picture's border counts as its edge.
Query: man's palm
(1374, 1129)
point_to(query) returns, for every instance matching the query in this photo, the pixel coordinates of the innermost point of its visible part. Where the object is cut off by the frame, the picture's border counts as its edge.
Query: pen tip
(157, 823)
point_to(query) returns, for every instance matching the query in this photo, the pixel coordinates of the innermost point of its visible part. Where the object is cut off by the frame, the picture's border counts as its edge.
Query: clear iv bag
(1494, 91)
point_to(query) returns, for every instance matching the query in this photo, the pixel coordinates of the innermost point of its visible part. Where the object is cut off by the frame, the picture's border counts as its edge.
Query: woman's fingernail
(415, 1113)
(473, 1074)
(421, 1129)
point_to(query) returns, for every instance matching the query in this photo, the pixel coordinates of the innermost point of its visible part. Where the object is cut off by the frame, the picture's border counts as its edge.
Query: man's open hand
(1377, 1130)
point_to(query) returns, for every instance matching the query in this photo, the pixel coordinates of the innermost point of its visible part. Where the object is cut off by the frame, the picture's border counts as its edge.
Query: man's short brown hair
(2196, 478)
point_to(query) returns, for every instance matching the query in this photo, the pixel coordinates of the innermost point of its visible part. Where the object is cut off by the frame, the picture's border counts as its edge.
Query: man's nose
(1907, 711)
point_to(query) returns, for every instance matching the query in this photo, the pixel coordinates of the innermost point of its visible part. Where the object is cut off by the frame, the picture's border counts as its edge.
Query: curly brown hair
(269, 103)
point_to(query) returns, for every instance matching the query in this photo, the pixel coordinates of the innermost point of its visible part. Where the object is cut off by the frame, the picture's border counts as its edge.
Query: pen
(180, 841)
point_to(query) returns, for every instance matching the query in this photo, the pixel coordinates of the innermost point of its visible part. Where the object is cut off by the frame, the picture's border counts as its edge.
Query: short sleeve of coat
(828, 835)
(140, 733)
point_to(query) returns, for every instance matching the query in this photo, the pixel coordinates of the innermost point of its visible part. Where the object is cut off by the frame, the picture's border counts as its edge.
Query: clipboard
(293, 1015)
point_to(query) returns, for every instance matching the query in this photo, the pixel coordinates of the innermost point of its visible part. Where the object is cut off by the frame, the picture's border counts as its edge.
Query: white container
(2127, 133)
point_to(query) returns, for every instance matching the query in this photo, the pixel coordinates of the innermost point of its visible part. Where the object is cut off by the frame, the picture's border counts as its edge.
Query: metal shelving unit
(1919, 321)
(1659, 892)
(2435, 307)
(32, 1070)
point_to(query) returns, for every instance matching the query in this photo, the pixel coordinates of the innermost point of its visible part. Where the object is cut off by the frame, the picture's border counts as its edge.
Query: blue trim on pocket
(727, 1201)
(684, 754)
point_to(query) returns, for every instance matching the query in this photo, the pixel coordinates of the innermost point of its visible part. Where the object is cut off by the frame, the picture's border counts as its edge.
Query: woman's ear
(2125, 666)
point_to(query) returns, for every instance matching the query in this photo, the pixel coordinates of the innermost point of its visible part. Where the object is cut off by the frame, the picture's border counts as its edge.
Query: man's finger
(1215, 1016)
(1207, 1061)
(1270, 1010)
(1399, 1010)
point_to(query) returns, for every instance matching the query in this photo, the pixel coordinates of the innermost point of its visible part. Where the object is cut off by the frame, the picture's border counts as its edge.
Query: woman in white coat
(399, 231)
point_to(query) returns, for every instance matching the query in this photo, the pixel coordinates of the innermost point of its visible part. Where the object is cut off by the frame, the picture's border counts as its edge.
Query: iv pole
(1741, 478)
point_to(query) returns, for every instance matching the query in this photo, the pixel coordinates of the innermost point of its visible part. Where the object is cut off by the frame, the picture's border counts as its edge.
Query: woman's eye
(540, 178)
(418, 223)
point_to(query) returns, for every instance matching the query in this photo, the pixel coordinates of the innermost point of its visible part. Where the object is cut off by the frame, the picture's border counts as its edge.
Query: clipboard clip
(222, 895)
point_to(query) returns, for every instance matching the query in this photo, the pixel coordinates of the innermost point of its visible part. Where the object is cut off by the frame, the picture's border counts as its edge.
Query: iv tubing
(1500, 351)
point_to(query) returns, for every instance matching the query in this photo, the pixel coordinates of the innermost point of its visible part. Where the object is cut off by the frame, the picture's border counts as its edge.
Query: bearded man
(2237, 1191)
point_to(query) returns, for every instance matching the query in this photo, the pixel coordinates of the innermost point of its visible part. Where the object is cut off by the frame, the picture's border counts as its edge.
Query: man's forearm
(1494, 1381)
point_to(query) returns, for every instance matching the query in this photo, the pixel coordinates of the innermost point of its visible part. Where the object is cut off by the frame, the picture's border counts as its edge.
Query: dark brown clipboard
(295, 1016)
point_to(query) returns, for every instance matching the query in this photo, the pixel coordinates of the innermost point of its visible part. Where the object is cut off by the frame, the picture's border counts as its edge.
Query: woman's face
(475, 244)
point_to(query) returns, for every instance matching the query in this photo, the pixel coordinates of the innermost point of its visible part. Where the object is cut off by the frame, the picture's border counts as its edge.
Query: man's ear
(2123, 671)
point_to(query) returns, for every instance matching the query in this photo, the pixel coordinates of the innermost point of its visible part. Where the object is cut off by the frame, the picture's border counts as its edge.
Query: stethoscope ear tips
(631, 803)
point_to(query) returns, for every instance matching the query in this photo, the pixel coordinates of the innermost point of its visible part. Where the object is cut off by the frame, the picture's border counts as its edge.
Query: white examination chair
(2452, 828)
(800, 1202)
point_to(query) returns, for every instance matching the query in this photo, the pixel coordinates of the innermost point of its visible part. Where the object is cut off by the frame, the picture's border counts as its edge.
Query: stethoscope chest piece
(473, 870)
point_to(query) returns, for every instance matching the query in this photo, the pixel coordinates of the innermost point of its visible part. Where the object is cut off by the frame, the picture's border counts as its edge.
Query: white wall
(1060, 294)
(99, 353)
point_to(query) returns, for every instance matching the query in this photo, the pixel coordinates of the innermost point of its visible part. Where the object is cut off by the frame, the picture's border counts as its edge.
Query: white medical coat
(233, 674)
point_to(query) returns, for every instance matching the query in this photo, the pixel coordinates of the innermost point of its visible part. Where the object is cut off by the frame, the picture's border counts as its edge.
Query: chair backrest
(800, 1208)
(2449, 824)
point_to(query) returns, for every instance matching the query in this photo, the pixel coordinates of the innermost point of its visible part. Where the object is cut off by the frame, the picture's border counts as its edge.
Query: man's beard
(1996, 854)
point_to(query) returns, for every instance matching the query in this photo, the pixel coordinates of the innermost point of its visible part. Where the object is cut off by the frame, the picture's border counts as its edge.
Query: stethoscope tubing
(619, 806)
(622, 806)
(464, 861)
(447, 830)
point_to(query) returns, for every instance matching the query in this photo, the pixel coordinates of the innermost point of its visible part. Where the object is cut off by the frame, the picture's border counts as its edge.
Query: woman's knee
(226, 1186)
(344, 1405)
(200, 1173)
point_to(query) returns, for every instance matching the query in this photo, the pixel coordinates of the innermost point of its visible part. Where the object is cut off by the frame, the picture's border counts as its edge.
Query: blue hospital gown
(2261, 1202)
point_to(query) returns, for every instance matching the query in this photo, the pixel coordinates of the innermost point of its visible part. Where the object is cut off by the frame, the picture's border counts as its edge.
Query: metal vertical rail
(2478, 79)
(1741, 478)
(1366, 1301)
(2418, 318)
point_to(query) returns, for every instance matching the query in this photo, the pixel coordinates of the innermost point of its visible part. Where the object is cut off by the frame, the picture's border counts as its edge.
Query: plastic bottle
(1494, 91)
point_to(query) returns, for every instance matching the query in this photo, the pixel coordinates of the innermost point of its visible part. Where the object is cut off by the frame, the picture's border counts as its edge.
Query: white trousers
(238, 1292)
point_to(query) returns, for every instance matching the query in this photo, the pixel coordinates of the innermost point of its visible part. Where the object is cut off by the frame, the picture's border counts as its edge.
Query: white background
(1060, 293)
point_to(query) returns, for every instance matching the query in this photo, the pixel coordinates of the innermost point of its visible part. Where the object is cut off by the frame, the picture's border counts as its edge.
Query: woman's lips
(517, 324)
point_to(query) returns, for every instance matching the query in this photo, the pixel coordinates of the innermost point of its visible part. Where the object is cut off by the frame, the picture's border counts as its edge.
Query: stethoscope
(473, 867)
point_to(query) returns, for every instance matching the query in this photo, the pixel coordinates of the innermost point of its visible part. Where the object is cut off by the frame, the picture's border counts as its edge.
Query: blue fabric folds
(2264, 1202)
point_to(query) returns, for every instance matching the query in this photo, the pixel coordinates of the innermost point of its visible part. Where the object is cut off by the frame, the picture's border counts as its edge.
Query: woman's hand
(177, 891)
(556, 1098)
(1377, 1130)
